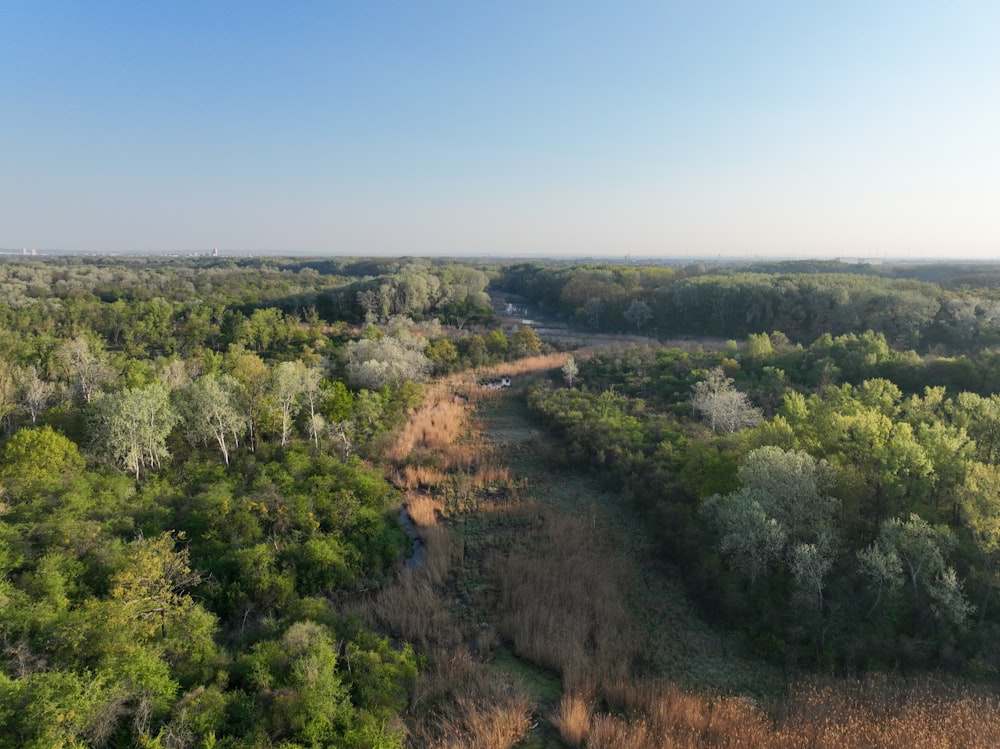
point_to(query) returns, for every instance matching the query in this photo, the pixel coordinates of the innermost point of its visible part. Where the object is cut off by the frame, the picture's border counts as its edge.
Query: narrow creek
(416, 558)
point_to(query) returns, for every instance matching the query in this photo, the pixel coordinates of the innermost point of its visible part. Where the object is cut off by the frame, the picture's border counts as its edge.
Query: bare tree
(33, 392)
(570, 370)
(724, 407)
(86, 370)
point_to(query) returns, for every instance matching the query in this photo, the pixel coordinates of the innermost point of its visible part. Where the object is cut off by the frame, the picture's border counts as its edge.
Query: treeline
(723, 303)
(156, 307)
(832, 522)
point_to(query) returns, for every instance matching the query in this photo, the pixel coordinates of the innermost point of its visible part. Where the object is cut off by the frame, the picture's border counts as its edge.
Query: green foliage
(40, 460)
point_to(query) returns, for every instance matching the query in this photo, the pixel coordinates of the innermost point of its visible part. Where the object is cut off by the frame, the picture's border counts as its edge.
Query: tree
(570, 370)
(253, 391)
(154, 582)
(751, 541)
(132, 425)
(38, 460)
(312, 392)
(86, 370)
(390, 360)
(33, 392)
(442, 354)
(210, 412)
(794, 488)
(8, 389)
(525, 342)
(497, 342)
(980, 503)
(920, 550)
(782, 504)
(287, 385)
(638, 314)
(593, 309)
(724, 407)
(810, 564)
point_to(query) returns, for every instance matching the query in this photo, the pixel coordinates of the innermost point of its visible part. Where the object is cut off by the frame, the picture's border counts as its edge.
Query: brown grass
(423, 509)
(878, 711)
(437, 553)
(414, 609)
(411, 477)
(889, 712)
(572, 719)
(458, 703)
(434, 425)
(564, 602)
(498, 718)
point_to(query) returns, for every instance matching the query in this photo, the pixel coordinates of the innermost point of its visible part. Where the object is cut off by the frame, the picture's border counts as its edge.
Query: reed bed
(564, 602)
(458, 703)
(886, 711)
(423, 509)
(435, 425)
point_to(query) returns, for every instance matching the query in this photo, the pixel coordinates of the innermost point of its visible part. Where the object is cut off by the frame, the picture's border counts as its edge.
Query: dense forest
(201, 480)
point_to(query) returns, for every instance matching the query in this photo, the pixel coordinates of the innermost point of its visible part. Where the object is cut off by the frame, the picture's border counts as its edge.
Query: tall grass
(573, 719)
(564, 601)
(458, 703)
(891, 712)
(877, 711)
(435, 425)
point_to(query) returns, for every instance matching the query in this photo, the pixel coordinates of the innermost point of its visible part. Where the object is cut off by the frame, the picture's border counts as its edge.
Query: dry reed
(423, 509)
(890, 712)
(417, 477)
(564, 602)
(434, 425)
(572, 719)
(459, 703)
(413, 608)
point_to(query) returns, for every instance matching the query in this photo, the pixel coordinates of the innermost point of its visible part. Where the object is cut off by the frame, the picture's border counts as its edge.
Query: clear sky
(523, 127)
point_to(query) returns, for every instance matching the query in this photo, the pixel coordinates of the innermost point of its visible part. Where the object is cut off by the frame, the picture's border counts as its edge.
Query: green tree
(253, 390)
(980, 503)
(287, 386)
(525, 342)
(751, 541)
(497, 342)
(795, 489)
(38, 460)
(390, 361)
(920, 550)
(84, 367)
(152, 586)
(638, 314)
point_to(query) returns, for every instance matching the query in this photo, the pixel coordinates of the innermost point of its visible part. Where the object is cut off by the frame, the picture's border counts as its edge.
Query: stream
(417, 557)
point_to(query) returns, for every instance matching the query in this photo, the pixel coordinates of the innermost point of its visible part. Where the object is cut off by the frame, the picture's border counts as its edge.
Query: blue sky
(518, 128)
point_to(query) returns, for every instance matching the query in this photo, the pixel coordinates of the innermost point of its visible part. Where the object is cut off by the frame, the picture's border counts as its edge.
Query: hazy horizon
(554, 129)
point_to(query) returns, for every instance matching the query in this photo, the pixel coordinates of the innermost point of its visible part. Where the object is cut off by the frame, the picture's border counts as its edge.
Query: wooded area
(197, 518)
